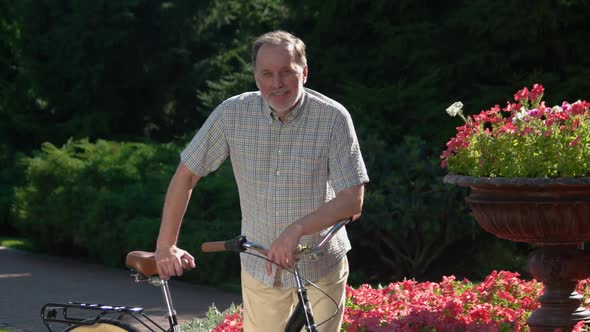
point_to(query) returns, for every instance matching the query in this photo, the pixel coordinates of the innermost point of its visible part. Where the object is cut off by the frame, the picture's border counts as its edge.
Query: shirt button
(277, 214)
(278, 173)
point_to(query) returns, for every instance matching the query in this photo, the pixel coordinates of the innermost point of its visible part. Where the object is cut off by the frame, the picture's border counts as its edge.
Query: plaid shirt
(284, 171)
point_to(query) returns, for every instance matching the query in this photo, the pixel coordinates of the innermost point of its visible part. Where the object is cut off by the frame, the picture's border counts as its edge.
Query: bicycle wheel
(104, 325)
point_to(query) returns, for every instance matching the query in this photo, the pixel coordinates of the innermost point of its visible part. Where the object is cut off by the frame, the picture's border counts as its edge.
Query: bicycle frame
(302, 316)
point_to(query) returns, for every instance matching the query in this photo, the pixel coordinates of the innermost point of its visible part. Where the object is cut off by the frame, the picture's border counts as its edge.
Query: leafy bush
(473, 257)
(415, 226)
(94, 199)
(410, 217)
(17, 243)
(104, 199)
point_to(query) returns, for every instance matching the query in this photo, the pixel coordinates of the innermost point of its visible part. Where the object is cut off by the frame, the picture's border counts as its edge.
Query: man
(299, 170)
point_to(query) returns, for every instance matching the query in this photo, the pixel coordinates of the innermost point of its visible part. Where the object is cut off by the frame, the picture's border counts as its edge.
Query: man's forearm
(347, 203)
(175, 204)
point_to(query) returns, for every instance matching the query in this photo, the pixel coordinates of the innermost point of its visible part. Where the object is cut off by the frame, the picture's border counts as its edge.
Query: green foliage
(502, 255)
(98, 199)
(11, 174)
(527, 155)
(474, 257)
(137, 68)
(396, 64)
(389, 68)
(214, 317)
(17, 243)
(415, 226)
(104, 199)
(213, 215)
(127, 64)
(156, 68)
(232, 26)
(410, 217)
(19, 126)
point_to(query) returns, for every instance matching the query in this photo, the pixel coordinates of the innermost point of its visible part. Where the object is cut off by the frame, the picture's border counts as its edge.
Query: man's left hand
(282, 249)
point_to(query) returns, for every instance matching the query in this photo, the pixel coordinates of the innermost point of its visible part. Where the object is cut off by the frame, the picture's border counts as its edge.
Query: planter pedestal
(559, 268)
(551, 213)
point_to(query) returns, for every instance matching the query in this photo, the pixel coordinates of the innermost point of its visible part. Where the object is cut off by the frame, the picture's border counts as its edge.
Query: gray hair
(279, 37)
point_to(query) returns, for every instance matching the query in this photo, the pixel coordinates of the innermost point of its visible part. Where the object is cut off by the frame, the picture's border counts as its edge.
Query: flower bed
(502, 302)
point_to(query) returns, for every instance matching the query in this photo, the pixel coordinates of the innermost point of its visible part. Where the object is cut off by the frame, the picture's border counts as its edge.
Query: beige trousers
(267, 309)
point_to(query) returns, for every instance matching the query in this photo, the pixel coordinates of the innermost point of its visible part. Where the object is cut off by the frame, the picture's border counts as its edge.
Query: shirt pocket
(308, 168)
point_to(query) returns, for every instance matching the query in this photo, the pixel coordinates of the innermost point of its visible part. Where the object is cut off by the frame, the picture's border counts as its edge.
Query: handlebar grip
(229, 245)
(213, 246)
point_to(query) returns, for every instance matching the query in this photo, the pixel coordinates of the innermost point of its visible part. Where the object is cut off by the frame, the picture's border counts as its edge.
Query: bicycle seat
(143, 262)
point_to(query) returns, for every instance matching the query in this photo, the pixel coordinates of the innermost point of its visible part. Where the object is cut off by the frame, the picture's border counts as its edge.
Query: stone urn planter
(553, 214)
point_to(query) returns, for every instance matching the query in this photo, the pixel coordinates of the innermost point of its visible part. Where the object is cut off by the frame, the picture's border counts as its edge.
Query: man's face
(279, 76)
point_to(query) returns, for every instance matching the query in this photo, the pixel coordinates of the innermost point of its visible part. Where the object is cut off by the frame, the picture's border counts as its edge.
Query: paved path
(27, 281)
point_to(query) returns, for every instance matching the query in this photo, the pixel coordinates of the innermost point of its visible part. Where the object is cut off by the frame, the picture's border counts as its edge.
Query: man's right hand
(173, 261)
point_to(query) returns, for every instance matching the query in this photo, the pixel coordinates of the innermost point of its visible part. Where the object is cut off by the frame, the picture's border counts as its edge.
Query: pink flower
(575, 142)
(536, 92)
(522, 94)
(536, 113)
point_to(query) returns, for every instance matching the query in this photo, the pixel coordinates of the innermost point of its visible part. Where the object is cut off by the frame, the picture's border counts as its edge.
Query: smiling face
(279, 77)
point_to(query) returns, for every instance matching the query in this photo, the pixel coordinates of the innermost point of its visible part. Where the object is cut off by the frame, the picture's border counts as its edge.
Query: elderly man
(299, 170)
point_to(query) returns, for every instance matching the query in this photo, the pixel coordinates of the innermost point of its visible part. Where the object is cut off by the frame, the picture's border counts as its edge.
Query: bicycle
(86, 317)
(302, 316)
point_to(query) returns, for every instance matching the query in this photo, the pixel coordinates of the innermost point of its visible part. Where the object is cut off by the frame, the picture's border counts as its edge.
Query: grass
(17, 243)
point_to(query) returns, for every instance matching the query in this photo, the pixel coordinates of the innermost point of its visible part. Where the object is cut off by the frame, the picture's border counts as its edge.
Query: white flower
(519, 116)
(456, 108)
(556, 109)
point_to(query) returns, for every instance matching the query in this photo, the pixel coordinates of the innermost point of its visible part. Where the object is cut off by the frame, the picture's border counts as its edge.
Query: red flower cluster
(231, 323)
(533, 95)
(502, 302)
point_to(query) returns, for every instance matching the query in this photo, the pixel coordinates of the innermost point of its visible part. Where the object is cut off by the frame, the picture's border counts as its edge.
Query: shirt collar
(292, 116)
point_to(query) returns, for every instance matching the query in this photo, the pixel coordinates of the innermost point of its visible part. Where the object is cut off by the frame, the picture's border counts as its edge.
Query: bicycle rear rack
(83, 313)
(77, 313)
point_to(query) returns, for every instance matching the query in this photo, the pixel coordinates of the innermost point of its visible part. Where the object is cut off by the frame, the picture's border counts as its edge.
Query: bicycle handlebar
(240, 243)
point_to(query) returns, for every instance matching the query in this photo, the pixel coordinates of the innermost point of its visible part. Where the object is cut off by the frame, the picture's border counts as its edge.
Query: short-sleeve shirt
(283, 171)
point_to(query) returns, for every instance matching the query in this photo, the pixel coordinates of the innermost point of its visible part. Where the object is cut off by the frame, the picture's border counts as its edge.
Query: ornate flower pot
(551, 213)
